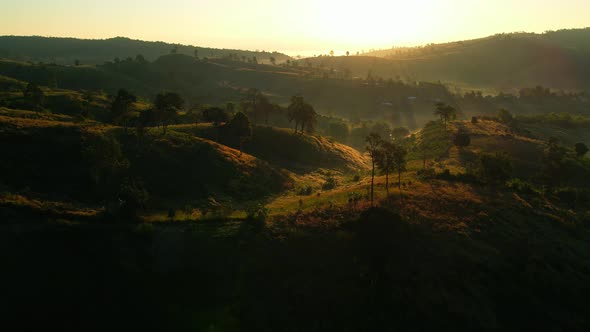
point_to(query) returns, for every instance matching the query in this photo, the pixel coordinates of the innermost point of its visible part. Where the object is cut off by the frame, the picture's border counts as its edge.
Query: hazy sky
(291, 26)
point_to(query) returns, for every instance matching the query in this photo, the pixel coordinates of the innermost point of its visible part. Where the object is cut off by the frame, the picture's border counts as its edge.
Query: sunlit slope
(285, 149)
(57, 155)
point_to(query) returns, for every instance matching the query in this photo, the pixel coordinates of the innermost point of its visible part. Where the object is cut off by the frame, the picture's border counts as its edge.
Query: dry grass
(48, 207)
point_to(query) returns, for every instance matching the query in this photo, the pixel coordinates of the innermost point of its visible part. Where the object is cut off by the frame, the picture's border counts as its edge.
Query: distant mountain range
(556, 59)
(66, 51)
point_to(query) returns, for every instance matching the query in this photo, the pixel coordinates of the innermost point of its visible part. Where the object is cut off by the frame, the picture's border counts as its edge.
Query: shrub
(256, 215)
(307, 191)
(330, 183)
(521, 186)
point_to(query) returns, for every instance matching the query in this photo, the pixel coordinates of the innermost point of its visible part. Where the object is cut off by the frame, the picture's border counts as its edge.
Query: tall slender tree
(374, 143)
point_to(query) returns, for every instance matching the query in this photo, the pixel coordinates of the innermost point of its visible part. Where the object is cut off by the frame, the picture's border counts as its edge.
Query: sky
(301, 26)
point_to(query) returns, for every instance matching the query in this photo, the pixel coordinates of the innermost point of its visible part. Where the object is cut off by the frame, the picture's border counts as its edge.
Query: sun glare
(376, 22)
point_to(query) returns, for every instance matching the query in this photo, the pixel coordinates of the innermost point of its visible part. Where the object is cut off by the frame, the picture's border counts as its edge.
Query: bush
(330, 183)
(307, 191)
(256, 215)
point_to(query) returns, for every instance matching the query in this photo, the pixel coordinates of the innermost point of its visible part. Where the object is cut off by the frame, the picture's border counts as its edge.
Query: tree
(581, 149)
(347, 53)
(308, 118)
(34, 96)
(302, 113)
(392, 158)
(273, 60)
(167, 107)
(264, 108)
(462, 139)
(217, 116)
(255, 104)
(240, 128)
(121, 107)
(332, 53)
(374, 142)
(445, 112)
(196, 53)
(504, 116)
(294, 110)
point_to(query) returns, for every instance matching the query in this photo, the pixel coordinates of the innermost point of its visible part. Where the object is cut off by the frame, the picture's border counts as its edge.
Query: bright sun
(374, 22)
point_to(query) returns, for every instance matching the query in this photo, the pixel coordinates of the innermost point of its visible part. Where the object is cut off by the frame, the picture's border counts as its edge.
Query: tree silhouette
(121, 107)
(391, 158)
(461, 139)
(445, 112)
(374, 142)
(302, 113)
(217, 116)
(240, 128)
(273, 60)
(347, 53)
(167, 107)
(255, 104)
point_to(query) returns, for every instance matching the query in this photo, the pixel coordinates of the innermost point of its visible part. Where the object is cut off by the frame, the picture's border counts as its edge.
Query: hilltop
(66, 51)
(556, 59)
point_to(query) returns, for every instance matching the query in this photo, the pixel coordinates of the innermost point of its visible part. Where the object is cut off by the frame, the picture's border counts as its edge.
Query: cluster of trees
(388, 156)
(165, 110)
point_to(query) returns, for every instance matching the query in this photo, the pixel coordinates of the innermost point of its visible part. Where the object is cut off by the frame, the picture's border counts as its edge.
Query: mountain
(503, 62)
(66, 51)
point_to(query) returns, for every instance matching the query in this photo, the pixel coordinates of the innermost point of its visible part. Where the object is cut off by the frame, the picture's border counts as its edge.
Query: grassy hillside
(66, 51)
(218, 81)
(283, 148)
(441, 254)
(57, 156)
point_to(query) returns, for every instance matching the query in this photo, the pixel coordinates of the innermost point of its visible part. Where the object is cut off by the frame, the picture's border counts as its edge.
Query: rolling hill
(557, 59)
(66, 51)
